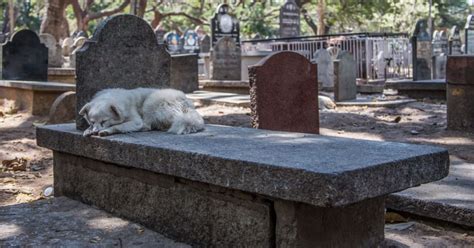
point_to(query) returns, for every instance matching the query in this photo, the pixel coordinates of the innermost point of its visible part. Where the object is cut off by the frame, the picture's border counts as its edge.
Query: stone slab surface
(319, 170)
(62, 222)
(436, 84)
(227, 99)
(37, 86)
(450, 199)
(370, 103)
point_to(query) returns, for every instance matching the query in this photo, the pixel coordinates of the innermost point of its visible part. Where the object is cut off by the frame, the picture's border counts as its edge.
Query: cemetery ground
(23, 181)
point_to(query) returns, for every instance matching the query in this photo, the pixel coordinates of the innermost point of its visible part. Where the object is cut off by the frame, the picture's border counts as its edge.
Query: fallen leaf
(17, 164)
(397, 119)
(391, 217)
(25, 198)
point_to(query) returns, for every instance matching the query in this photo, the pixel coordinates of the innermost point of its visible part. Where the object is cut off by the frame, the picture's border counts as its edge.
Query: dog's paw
(104, 133)
(87, 133)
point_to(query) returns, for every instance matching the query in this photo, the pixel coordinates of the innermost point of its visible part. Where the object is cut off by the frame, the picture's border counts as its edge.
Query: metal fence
(378, 56)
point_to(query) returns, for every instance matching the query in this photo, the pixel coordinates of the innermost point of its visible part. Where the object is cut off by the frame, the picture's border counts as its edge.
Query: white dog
(142, 109)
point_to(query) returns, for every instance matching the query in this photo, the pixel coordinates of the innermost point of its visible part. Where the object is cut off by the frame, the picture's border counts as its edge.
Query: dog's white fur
(142, 109)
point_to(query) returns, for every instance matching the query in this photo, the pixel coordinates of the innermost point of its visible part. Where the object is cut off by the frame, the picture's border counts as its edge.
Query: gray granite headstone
(345, 76)
(469, 35)
(455, 42)
(24, 57)
(323, 58)
(422, 56)
(123, 53)
(289, 19)
(226, 60)
(55, 57)
(205, 44)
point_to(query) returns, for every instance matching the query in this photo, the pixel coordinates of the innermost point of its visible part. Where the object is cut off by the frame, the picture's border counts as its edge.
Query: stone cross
(289, 19)
(345, 76)
(226, 60)
(455, 42)
(422, 56)
(24, 57)
(284, 93)
(325, 67)
(123, 53)
(55, 57)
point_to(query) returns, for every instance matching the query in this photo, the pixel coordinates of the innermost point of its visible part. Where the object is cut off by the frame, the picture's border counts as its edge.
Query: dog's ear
(116, 111)
(85, 109)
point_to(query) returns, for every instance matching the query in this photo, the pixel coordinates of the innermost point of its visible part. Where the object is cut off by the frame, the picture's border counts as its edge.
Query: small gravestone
(380, 64)
(55, 57)
(345, 76)
(122, 53)
(78, 43)
(469, 35)
(437, 46)
(455, 43)
(440, 56)
(24, 57)
(160, 34)
(190, 41)
(67, 46)
(226, 60)
(289, 19)
(63, 109)
(422, 56)
(284, 93)
(325, 67)
(205, 44)
(173, 42)
(443, 36)
(224, 25)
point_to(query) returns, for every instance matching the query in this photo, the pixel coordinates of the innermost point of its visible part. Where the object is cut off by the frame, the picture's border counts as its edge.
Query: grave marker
(160, 34)
(284, 93)
(67, 46)
(469, 35)
(422, 57)
(123, 53)
(173, 42)
(190, 41)
(224, 25)
(345, 76)
(226, 60)
(289, 19)
(455, 43)
(24, 57)
(323, 58)
(55, 58)
(205, 44)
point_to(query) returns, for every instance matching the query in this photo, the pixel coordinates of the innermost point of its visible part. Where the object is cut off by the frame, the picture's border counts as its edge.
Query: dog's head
(101, 115)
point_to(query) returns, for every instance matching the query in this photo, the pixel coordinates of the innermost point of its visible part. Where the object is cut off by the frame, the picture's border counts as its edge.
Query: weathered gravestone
(436, 43)
(440, 50)
(55, 57)
(78, 43)
(345, 76)
(160, 34)
(24, 57)
(289, 19)
(455, 42)
(443, 36)
(422, 57)
(224, 25)
(469, 35)
(190, 41)
(226, 60)
(63, 108)
(173, 42)
(67, 46)
(284, 93)
(205, 44)
(123, 53)
(325, 67)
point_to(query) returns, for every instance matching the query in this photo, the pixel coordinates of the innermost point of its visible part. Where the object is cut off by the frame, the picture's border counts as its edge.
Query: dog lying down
(143, 109)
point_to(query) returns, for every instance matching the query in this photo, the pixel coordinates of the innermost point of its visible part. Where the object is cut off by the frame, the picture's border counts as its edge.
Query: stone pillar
(460, 93)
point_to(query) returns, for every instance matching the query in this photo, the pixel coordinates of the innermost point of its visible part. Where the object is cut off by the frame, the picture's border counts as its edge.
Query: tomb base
(434, 89)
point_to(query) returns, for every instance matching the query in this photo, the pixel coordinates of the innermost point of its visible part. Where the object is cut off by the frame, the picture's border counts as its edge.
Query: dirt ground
(419, 122)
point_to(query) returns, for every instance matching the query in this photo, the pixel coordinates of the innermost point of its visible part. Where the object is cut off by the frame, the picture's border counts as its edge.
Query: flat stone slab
(222, 98)
(224, 83)
(37, 85)
(366, 101)
(62, 71)
(319, 170)
(408, 84)
(62, 222)
(450, 199)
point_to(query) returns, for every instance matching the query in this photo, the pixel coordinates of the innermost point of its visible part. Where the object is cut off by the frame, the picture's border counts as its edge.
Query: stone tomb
(284, 93)
(24, 58)
(460, 93)
(345, 76)
(225, 60)
(242, 187)
(55, 57)
(289, 19)
(123, 53)
(421, 44)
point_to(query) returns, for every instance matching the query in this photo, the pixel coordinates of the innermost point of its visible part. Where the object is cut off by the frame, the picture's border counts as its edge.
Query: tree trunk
(321, 16)
(55, 22)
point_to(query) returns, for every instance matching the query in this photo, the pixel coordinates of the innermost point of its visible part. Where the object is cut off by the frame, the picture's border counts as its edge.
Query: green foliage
(29, 14)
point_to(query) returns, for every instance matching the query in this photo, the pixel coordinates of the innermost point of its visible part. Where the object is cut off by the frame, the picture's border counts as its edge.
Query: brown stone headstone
(284, 93)
(63, 109)
(460, 92)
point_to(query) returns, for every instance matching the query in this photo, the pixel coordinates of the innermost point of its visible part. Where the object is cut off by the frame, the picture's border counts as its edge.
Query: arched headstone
(173, 42)
(24, 57)
(63, 108)
(422, 56)
(55, 57)
(323, 58)
(67, 46)
(223, 24)
(289, 19)
(123, 53)
(226, 60)
(284, 93)
(190, 41)
(205, 44)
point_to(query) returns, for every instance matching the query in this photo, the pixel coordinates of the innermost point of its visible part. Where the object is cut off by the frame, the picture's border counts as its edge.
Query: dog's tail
(187, 122)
